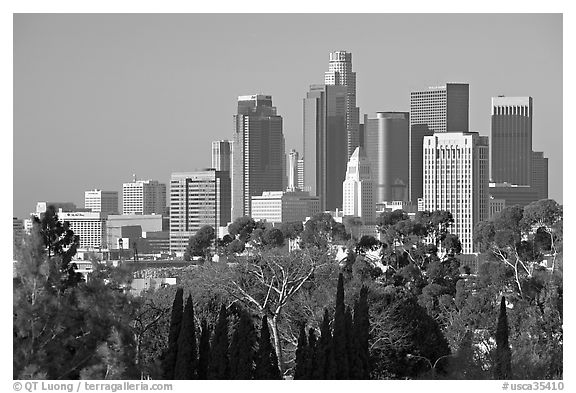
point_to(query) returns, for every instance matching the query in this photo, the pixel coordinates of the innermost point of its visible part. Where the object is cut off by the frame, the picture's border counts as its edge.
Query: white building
(221, 154)
(456, 166)
(90, 226)
(101, 201)
(293, 170)
(280, 206)
(358, 188)
(143, 197)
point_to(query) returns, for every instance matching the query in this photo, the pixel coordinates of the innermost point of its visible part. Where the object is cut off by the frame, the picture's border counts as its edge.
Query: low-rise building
(284, 206)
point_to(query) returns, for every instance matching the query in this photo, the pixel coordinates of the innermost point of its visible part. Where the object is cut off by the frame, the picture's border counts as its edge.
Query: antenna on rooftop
(134, 177)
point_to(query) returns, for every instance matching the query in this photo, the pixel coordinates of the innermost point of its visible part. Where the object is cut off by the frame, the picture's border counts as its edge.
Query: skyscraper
(438, 109)
(101, 201)
(221, 155)
(511, 140)
(300, 167)
(386, 145)
(258, 157)
(196, 199)
(340, 73)
(540, 174)
(143, 197)
(293, 170)
(456, 179)
(325, 144)
(358, 188)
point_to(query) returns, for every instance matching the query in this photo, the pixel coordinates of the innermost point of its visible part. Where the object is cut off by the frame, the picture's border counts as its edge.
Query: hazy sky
(98, 97)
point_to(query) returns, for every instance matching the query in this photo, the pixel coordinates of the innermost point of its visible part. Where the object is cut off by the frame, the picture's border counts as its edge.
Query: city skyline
(94, 97)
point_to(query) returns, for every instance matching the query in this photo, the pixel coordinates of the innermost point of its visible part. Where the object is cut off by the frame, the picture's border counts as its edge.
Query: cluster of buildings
(424, 159)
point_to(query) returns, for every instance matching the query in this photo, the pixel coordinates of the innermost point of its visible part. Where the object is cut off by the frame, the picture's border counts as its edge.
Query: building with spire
(358, 188)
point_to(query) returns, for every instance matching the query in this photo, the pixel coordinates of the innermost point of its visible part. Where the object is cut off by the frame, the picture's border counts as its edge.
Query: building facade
(456, 166)
(284, 206)
(258, 156)
(293, 182)
(437, 109)
(221, 155)
(386, 146)
(143, 197)
(325, 144)
(513, 194)
(89, 226)
(540, 174)
(197, 199)
(340, 74)
(358, 189)
(511, 140)
(101, 201)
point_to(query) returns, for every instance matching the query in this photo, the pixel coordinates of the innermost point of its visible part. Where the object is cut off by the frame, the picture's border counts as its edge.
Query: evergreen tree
(169, 359)
(266, 359)
(350, 344)
(204, 351)
(186, 360)
(324, 357)
(310, 369)
(218, 365)
(362, 334)
(302, 354)
(242, 348)
(503, 368)
(339, 342)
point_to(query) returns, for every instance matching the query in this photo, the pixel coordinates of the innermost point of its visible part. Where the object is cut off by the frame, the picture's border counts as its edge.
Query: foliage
(169, 359)
(321, 231)
(243, 347)
(199, 244)
(204, 351)
(266, 360)
(502, 367)
(219, 366)
(186, 355)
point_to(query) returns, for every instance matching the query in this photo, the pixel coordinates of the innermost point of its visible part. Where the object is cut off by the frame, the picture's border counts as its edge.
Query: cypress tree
(324, 357)
(169, 358)
(302, 354)
(186, 360)
(350, 343)
(242, 348)
(218, 365)
(266, 359)
(311, 364)
(503, 368)
(362, 335)
(339, 346)
(204, 351)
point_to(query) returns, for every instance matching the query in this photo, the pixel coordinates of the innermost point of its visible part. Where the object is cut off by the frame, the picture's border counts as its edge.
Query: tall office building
(325, 144)
(511, 140)
(258, 152)
(540, 174)
(456, 179)
(101, 201)
(143, 197)
(300, 169)
(438, 109)
(196, 199)
(386, 145)
(89, 226)
(293, 170)
(221, 155)
(340, 73)
(358, 188)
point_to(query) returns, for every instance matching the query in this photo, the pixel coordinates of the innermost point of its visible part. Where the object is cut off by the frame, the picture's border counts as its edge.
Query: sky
(99, 97)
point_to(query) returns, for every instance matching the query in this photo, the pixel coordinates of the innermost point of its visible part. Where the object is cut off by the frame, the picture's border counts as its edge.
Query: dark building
(540, 174)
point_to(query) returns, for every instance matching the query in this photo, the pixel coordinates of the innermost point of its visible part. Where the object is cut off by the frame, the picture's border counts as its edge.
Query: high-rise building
(325, 144)
(358, 188)
(143, 197)
(293, 170)
(258, 156)
(340, 73)
(438, 109)
(300, 169)
(101, 201)
(89, 226)
(284, 206)
(540, 174)
(513, 194)
(511, 140)
(221, 155)
(386, 145)
(196, 199)
(456, 179)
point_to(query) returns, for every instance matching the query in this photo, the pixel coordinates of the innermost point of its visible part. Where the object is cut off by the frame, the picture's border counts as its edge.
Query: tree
(204, 351)
(218, 366)
(301, 371)
(273, 237)
(243, 348)
(169, 363)
(324, 354)
(292, 230)
(242, 228)
(236, 246)
(502, 367)
(266, 360)
(321, 231)
(362, 335)
(186, 357)
(339, 339)
(310, 363)
(199, 244)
